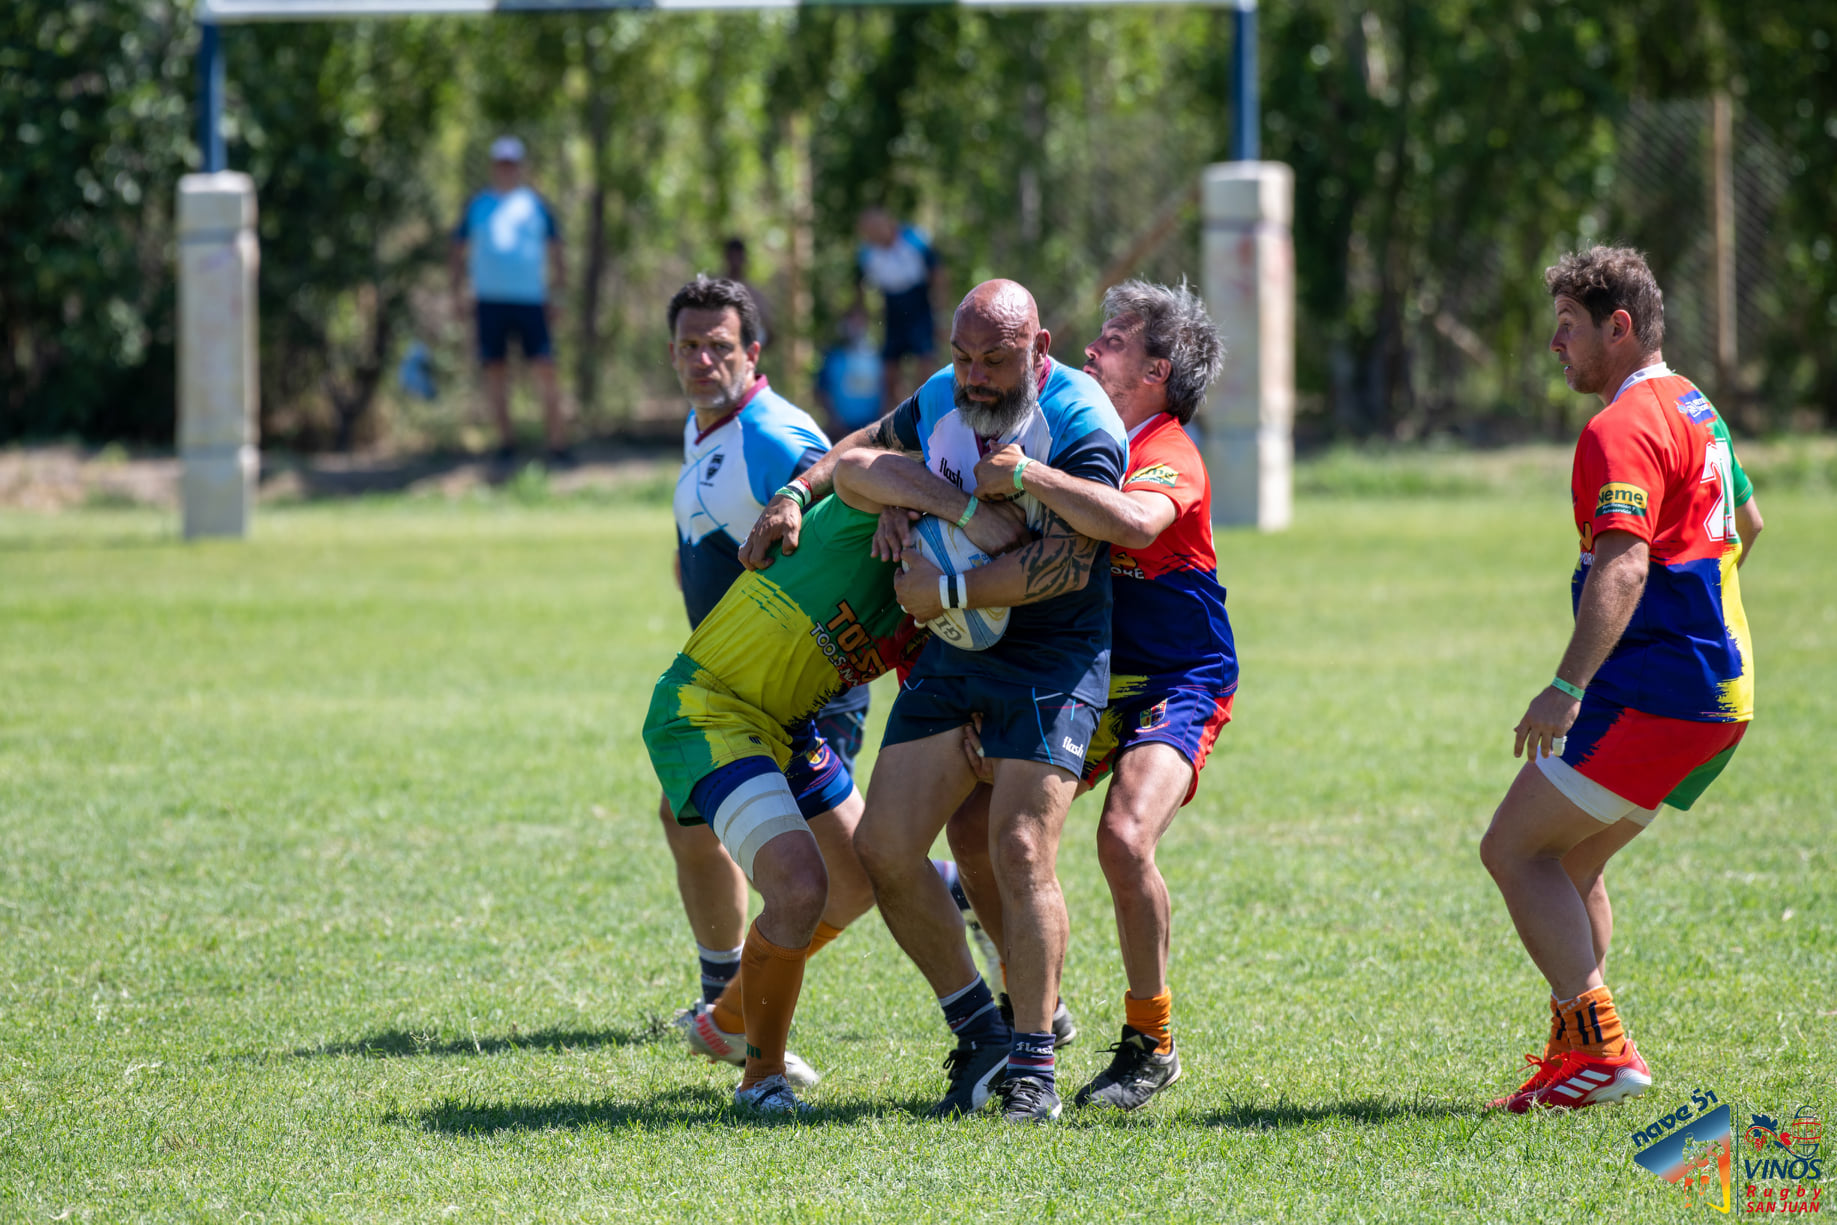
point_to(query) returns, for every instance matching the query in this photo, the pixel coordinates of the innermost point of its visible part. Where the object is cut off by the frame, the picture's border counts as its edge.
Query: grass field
(330, 889)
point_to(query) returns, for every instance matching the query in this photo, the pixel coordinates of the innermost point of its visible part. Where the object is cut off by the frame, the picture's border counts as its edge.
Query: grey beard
(994, 420)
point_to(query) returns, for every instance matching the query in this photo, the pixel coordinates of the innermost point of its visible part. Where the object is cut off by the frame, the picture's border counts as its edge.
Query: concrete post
(1250, 290)
(217, 353)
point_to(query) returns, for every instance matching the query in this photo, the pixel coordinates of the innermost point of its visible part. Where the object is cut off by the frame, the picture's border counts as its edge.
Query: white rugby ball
(950, 550)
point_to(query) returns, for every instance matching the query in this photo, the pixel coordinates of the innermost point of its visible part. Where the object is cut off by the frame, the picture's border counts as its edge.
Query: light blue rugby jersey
(507, 241)
(1061, 644)
(727, 477)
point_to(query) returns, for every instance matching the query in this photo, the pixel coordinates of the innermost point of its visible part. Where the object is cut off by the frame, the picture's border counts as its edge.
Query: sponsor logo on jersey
(1695, 405)
(1123, 565)
(1621, 499)
(1156, 474)
(1076, 750)
(951, 474)
(848, 647)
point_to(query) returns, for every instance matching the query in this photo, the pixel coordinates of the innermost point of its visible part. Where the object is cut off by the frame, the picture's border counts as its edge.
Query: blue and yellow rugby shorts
(1188, 719)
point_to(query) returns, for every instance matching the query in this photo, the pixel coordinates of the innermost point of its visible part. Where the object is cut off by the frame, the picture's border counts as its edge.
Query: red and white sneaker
(1542, 1070)
(712, 1042)
(1586, 1080)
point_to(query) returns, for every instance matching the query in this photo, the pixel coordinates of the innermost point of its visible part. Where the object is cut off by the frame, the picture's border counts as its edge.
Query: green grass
(330, 890)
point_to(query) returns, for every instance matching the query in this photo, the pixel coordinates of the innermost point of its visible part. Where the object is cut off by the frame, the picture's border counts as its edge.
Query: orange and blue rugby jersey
(1169, 624)
(1655, 463)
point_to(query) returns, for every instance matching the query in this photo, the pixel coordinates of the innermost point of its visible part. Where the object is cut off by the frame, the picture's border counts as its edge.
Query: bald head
(996, 345)
(1004, 307)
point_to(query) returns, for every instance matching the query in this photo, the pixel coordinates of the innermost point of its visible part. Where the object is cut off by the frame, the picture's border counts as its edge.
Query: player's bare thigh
(1148, 783)
(916, 785)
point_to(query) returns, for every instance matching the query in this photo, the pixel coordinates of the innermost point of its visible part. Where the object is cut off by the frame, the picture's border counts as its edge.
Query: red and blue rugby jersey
(1170, 627)
(1652, 463)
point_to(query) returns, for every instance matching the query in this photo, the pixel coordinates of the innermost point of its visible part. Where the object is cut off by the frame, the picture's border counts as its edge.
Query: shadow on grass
(670, 1110)
(405, 1044)
(1369, 1111)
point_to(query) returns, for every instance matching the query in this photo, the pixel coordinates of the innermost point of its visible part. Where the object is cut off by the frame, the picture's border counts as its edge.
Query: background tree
(1445, 151)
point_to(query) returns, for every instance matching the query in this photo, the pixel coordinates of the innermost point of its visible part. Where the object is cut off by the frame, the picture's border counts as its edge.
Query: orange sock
(729, 1015)
(824, 934)
(1591, 1025)
(1557, 1042)
(774, 977)
(1153, 1016)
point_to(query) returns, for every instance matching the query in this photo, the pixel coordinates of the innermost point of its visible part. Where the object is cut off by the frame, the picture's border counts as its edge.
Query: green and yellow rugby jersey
(777, 646)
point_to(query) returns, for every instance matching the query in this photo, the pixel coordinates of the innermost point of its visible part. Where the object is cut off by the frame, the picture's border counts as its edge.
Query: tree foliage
(1444, 150)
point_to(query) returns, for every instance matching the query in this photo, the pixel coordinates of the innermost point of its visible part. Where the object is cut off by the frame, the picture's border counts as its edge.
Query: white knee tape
(753, 814)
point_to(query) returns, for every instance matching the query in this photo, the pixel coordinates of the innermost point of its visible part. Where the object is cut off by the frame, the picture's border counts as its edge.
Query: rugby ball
(946, 546)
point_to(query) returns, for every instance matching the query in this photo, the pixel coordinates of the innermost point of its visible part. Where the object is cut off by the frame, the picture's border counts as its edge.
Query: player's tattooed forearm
(886, 438)
(1059, 561)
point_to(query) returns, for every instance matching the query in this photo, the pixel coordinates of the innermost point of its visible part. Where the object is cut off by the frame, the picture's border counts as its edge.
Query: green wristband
(1018, 469)
(1563, 686)
(968, 511)
(797, 493)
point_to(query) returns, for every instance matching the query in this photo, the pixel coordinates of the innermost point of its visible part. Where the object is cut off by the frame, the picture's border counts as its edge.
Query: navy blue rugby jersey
(1061, 644)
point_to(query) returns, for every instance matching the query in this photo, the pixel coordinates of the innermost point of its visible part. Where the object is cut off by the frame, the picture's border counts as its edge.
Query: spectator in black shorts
(508, 243)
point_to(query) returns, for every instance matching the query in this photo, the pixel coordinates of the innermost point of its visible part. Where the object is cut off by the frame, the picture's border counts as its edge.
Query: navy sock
(718, 969)
(972, 1015)
(1032, 1056)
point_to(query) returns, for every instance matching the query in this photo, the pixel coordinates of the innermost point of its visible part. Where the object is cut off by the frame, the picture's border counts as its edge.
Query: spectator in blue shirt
(898, 260)
(851, 380)
(509, 245)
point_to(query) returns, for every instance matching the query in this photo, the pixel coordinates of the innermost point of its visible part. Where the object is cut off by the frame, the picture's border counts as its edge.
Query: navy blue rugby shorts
(1018, 721)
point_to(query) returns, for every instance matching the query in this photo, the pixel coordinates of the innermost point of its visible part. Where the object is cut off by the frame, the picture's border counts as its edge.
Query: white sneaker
(771, 1096)
(712, 1042)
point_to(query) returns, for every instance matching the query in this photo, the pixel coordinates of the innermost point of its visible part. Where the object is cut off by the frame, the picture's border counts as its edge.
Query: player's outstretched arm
(1615, 583)
(1102, 512)
(783, 518)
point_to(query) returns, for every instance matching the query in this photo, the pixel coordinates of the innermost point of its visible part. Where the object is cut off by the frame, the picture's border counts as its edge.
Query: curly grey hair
(1175, 325)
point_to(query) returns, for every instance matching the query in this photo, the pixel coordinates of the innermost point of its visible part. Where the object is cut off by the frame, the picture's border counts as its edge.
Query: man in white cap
(509, 244)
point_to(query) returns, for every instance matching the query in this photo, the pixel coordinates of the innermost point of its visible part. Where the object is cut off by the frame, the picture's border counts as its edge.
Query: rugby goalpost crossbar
(1248, 276)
